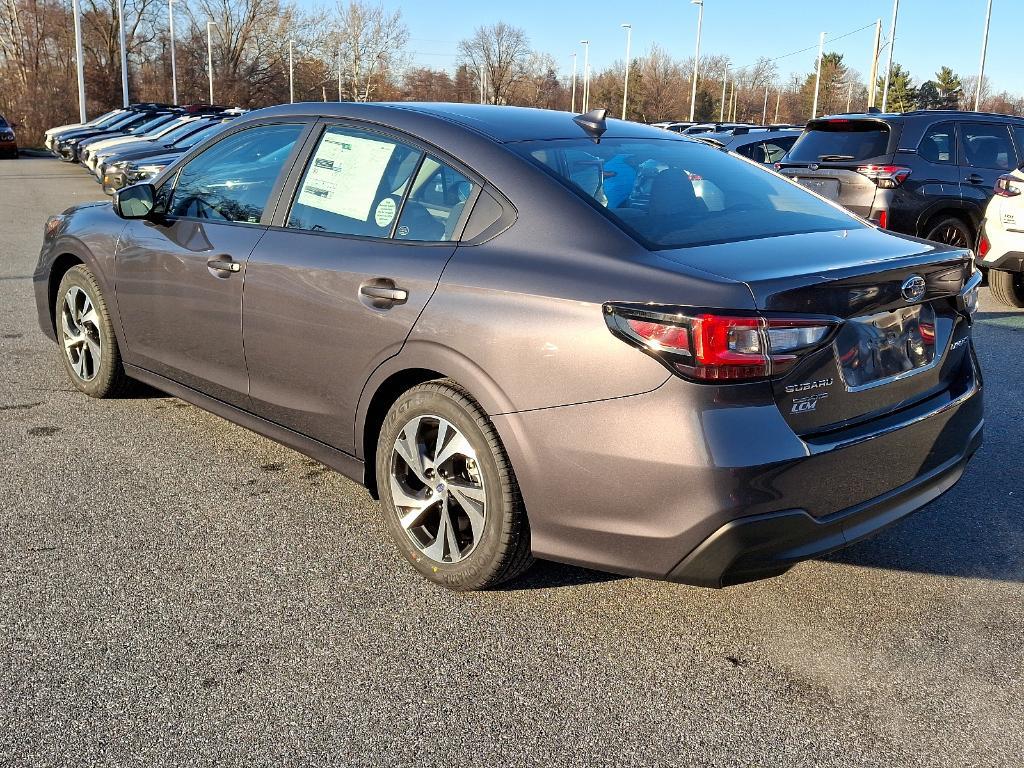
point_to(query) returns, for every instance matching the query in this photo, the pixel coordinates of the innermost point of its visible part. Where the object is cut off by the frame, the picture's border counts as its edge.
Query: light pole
(817, 77)
(873, 78)
(696, 57)
(291, 72)
(984, 50)
(573, 107)
(586, 74)
(209, 53)
(174, 68)
(339, 73)
(625, 85)
(79, 58)
(892, 45)
(764, 114)
(725, 82)
(778, 100)
(124, 51)
(483, 84)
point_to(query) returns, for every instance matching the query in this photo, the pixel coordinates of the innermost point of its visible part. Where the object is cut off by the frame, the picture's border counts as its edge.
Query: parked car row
(125, 146)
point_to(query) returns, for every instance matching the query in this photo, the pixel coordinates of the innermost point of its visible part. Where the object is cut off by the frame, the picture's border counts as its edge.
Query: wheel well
(60, 267)
(387, 393)
(950, 213)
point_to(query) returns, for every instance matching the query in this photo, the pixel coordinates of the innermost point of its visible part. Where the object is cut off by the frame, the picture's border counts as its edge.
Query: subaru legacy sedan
(535, 335)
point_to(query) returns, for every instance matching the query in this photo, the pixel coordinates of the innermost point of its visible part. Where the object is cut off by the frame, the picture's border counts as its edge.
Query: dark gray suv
(535, 335)
(928, 173)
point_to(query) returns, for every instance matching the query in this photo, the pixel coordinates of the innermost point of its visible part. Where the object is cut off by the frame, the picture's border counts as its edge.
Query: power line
(811, 47)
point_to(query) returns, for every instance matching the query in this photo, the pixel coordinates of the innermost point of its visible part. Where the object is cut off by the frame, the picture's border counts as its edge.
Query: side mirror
(134, 202)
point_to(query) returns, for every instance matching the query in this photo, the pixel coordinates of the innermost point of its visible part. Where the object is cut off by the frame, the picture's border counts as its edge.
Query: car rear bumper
(691, 484)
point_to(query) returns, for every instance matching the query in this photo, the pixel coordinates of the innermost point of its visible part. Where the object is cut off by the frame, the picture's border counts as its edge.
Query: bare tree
(372, 45)
(502, 53)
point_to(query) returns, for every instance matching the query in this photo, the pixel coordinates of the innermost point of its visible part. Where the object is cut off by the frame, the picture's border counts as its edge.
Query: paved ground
(176, 590)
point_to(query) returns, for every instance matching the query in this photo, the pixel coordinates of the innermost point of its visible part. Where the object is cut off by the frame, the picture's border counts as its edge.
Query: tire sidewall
(101, 384)
(484, 560)
(947, 221)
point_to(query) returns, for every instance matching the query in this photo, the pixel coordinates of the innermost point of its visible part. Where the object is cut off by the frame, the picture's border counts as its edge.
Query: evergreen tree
(902, 92)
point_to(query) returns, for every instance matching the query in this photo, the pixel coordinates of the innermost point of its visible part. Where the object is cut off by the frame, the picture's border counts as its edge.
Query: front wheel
(89, 350)
(1007, 287)
(448, 491)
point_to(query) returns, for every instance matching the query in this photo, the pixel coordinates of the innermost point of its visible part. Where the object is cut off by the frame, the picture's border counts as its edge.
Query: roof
(499, 123)
(953, 113)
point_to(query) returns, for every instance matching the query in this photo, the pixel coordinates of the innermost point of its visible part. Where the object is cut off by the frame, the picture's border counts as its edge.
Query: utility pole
(892, 45)
(586, 74)
(817, 77)
(291, 71)
(174, 68)
(209, 54)
(732, 102)
(124, 51)
(764, 113)
(481, 83)
(725, 82)
(696, 57)
(984, 50)
(79, 58)
(778, 99)
(625, 85)
(573, 106)
(339, 74)
(873, 79)
(849, 97)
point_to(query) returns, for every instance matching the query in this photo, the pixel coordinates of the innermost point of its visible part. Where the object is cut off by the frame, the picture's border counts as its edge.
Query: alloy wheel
(950, 234)
(438, 489)
(83, 340)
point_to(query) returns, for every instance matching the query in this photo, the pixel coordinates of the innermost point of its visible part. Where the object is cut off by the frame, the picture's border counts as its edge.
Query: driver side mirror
(134, 202)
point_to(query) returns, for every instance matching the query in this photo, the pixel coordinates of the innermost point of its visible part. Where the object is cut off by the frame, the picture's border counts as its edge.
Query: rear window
(676, 193)
(841, 141)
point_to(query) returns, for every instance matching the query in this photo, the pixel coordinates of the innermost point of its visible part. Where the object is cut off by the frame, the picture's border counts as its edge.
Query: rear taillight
(984, 246)
(706, 346)
(1006, 186)
(885, 176)
(881, 218)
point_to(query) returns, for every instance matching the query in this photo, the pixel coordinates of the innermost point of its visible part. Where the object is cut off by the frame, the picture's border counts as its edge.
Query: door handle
(974, 178)
(384, 294)
(224, 264)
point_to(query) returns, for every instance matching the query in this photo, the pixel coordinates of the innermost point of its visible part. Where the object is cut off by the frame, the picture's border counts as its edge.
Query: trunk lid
(887, 351)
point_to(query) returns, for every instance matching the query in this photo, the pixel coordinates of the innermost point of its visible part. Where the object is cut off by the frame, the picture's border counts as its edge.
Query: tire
(93, 363)
(1007, 287)
(483, 549)
(951, 231)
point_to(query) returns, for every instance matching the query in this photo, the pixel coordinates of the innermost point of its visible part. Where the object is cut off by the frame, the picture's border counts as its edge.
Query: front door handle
(974, 178)
(224, 264)
(385, 294)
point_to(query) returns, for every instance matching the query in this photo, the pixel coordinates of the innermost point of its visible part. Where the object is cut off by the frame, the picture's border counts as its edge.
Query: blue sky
(931, 33)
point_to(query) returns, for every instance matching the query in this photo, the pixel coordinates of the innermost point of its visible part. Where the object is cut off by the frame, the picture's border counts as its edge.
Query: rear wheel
(89, 350)
(951, 231)
(1007, 287)
(449, 494)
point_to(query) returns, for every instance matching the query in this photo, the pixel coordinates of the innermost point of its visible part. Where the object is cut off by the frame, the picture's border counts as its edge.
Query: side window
(354, 184)
(233, 179)
(436, 201)
(937, 144)
(986, 145)
(1018, 137)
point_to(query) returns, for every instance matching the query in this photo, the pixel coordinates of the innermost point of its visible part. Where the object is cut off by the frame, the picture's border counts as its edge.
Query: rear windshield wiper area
(834, 158)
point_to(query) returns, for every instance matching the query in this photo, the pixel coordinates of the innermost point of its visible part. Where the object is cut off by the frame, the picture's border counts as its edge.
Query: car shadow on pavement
(546, 574)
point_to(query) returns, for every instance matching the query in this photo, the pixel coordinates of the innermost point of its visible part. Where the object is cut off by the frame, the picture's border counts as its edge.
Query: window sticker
(385, 212)
(345, 174)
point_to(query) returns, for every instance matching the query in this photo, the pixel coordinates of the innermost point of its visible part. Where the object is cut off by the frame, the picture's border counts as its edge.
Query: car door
(986, 153)
(179, 273)
(334, 288)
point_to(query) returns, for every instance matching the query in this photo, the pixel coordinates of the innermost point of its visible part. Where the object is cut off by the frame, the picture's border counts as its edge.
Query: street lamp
(625, 85)
(209, 53)
(817, 76)
(573, 107)
(291, 72)
(174, 68)
(725, 82)
(981, 67)
(124, 51)
(696, 57)
(892, 45)
(79, 58)
(586, 74)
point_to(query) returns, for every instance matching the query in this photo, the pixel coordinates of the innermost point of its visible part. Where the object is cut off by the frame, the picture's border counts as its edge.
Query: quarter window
(435, 204)
(986, 145)
(354, 184)
(233, 179)
(938, 143)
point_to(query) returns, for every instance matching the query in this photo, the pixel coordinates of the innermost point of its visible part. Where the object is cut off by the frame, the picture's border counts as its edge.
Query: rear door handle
(384, 294)
(974, 179)
(224, 264)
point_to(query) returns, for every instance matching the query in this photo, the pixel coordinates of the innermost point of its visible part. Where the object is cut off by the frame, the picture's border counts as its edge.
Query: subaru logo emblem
(813, 166)
(913, 288)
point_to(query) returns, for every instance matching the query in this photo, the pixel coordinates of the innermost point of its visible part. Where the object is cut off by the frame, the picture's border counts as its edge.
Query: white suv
(1001, 245)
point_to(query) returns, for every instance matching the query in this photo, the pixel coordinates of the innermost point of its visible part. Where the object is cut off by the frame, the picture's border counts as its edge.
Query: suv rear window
(840, 141)
(672, 193)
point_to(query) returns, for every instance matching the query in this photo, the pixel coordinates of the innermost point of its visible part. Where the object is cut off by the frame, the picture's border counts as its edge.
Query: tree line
(357, 51)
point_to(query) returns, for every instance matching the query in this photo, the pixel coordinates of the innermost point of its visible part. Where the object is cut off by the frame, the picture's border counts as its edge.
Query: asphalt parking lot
(177, 590)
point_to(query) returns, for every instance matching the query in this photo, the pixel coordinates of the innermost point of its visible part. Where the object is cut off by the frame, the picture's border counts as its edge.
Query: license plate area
(877, 349)
(825, 187)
